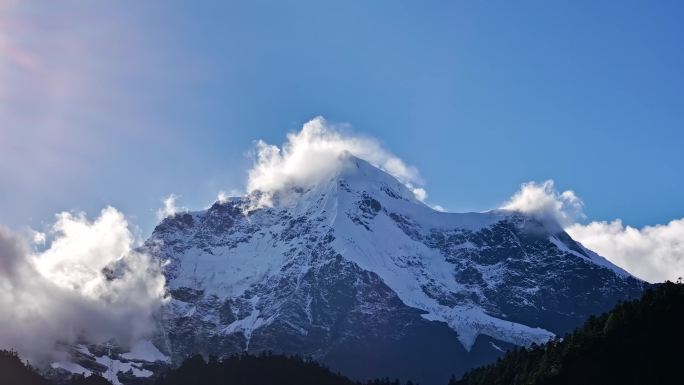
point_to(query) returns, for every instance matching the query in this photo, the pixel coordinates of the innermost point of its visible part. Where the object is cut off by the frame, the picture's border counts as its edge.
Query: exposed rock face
(357, 273)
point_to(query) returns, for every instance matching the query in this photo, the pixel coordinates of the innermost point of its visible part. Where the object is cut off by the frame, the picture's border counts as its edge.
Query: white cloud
(438, 208)
(419, 192)
(545, 202)
(169, 209)
(38, 238)
(88, 285)
(654, 253)
(223, 196)
(316, 152)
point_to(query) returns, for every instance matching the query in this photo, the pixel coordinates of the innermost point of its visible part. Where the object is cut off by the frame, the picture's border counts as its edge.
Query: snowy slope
(141, 361)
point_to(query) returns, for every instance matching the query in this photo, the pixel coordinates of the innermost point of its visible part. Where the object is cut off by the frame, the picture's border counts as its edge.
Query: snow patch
(71, 367)
(470, 322)
(114, 367)
(497, 347)
(145, 351)
(142, 351)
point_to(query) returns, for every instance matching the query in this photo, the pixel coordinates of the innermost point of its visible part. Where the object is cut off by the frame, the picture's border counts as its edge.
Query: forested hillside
(264, 369)
(638, 342)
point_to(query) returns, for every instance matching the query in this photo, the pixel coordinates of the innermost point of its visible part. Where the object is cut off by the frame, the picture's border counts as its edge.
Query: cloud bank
(88, 286)
(653, 253)
(315, 153)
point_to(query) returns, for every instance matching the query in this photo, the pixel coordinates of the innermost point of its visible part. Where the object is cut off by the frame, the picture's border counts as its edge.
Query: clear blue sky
(124, 104)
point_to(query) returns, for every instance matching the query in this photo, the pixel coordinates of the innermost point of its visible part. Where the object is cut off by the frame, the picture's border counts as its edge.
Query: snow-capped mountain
(358, 274)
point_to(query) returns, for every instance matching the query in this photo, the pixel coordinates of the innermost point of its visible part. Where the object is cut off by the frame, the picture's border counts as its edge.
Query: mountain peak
(362, 175)
(348, 173)
(351, 261)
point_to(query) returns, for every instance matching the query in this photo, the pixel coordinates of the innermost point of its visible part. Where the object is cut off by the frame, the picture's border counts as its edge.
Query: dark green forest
(264, 369)
(638, 342)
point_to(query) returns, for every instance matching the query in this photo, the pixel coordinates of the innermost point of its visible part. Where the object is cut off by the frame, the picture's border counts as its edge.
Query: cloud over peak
(316, 152)
(545, 202)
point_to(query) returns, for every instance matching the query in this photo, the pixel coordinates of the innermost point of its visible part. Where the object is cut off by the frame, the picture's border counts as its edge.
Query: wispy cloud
(223, 196)
(169, 208)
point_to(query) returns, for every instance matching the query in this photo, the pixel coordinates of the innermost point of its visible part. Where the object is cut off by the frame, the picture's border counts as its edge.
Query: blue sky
(125, 103)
